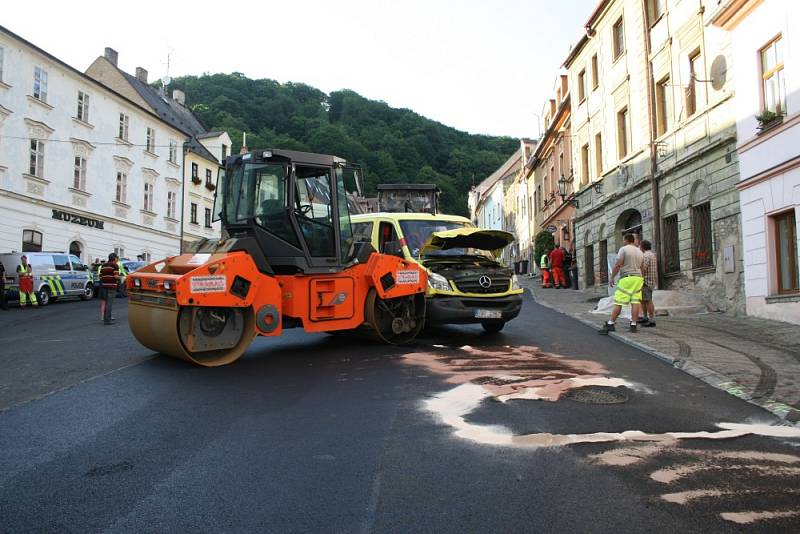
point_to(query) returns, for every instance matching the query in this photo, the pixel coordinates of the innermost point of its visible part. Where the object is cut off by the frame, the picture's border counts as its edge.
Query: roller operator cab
(286, 258)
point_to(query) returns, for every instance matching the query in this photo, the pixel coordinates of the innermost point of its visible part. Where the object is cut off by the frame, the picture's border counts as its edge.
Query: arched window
(76, 249)
(669, 237)
(31, 241)
(702, 238)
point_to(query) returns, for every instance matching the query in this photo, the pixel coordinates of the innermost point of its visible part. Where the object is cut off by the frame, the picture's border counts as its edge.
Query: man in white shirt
(629, 286)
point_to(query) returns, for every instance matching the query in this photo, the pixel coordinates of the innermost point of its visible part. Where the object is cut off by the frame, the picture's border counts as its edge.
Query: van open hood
(493, 241)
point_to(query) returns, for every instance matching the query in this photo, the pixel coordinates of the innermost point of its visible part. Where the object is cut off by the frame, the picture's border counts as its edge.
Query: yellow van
(467, 283)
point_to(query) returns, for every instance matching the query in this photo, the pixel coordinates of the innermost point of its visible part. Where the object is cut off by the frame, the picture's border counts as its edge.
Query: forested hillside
(393, 145)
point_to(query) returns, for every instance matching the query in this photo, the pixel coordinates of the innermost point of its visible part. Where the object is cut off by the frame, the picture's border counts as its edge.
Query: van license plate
(488, 314)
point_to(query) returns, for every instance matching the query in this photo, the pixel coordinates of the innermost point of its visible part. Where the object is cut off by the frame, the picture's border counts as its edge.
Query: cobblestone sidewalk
(754, 359)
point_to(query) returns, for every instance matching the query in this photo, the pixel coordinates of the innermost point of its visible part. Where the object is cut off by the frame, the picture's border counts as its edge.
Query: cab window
(362, 232)
(388, 241)
(313, 209)
(61, 262)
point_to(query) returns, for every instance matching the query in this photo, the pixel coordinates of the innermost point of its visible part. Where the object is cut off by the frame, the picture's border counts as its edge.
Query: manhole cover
(597, 395)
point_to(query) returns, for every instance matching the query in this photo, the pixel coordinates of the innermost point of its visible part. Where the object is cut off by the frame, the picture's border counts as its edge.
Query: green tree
(542, 242)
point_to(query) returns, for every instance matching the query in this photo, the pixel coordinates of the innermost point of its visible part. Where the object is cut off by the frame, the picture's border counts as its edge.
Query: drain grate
(597, 395)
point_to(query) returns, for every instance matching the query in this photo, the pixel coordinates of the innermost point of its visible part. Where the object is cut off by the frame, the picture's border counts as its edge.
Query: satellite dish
(719, 72)
(166, 80)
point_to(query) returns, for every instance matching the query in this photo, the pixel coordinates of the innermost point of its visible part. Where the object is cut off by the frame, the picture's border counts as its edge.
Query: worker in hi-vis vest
(25, 276)
(544, 265)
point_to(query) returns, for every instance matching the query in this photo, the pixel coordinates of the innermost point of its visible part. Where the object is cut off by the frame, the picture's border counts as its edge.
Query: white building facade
(82, 168)
(766, 56)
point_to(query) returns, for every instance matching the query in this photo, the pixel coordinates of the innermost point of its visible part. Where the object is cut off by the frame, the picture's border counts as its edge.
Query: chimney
(111, 55)
(141, 74)
(179, 96)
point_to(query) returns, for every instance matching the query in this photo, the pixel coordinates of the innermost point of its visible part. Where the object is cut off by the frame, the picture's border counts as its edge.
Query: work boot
(642, 320)
(649, 323)
(633, 327)
(607, 327)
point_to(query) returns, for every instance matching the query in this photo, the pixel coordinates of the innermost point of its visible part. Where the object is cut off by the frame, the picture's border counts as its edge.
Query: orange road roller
(287, 258)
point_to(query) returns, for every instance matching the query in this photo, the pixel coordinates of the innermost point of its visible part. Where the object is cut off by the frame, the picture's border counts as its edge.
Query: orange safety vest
(25, 279)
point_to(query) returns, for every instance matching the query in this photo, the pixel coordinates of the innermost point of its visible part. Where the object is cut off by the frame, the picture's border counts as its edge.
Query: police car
(55, 275)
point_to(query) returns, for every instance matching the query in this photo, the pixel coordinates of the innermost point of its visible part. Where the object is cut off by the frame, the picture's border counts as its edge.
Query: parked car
(129, 266)
(56, 275)
(467, 283)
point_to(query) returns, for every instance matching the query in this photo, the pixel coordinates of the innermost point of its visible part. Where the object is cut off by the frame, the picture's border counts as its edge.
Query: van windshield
(417, 232)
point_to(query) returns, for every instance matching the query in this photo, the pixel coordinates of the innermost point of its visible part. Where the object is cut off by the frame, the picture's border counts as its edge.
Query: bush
(543, 241)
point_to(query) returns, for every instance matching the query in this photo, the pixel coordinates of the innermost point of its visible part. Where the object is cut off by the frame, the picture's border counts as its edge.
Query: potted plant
(767, 119)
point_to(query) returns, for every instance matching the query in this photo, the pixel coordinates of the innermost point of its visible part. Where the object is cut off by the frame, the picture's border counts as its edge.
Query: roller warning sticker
(207, 284)
(408, 277)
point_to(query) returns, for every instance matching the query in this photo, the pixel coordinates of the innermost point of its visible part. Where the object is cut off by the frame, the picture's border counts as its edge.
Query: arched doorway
(76, 249)
(629, 222)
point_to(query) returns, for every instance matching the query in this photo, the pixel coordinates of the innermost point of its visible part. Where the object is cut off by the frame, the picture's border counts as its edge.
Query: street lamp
(562, 191)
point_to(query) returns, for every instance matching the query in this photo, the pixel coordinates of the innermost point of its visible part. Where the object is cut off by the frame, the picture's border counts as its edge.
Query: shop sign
(77, 219)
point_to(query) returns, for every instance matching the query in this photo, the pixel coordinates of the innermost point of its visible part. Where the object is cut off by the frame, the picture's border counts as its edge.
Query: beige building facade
(654, 143)
(201, 153)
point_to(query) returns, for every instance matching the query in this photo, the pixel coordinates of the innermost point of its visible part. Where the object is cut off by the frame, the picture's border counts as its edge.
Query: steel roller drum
(165, 330)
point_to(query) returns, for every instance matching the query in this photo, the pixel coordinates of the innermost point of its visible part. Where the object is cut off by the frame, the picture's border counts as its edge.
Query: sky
(483, 66)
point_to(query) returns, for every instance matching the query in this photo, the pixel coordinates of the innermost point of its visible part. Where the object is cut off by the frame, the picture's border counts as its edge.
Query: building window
(588, 265)
(702, 253)
(151, 140)
(148, 196)
(173, 151)
(672, 260)
(618, 36)
(83, 107)
(31, 241)
(124, 122)
(663, 106)
(598, 155)
(36, 167)
(774, 84)
(122, 187)
(145, 256)
(208, 177)
(595, 72)
(208, 218)
(195, 173)
(655, 9)
(539, 197)
(224, 152)
(79, 174)
(171, 204)
(603, 258)
(691, 90)
(193, 213)
(40, 84)
(623, 145)
(119, 250)
(2, 61)
(585, 164)
(582, 85)
(785, 226)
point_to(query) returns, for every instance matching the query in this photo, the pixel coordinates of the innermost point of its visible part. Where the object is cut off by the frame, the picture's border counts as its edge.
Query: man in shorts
(650, 275)
(629, 286)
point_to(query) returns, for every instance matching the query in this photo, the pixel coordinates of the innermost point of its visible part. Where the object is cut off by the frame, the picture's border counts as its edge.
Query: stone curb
(701, 372)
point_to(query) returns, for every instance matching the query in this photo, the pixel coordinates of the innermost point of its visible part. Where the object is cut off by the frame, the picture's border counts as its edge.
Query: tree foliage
(542, 242)
(393, 145)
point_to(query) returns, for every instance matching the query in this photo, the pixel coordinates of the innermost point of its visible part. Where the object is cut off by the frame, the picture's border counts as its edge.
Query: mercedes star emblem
(485, 282)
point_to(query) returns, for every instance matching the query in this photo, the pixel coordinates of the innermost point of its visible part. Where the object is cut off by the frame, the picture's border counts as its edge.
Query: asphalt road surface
(320, 433)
